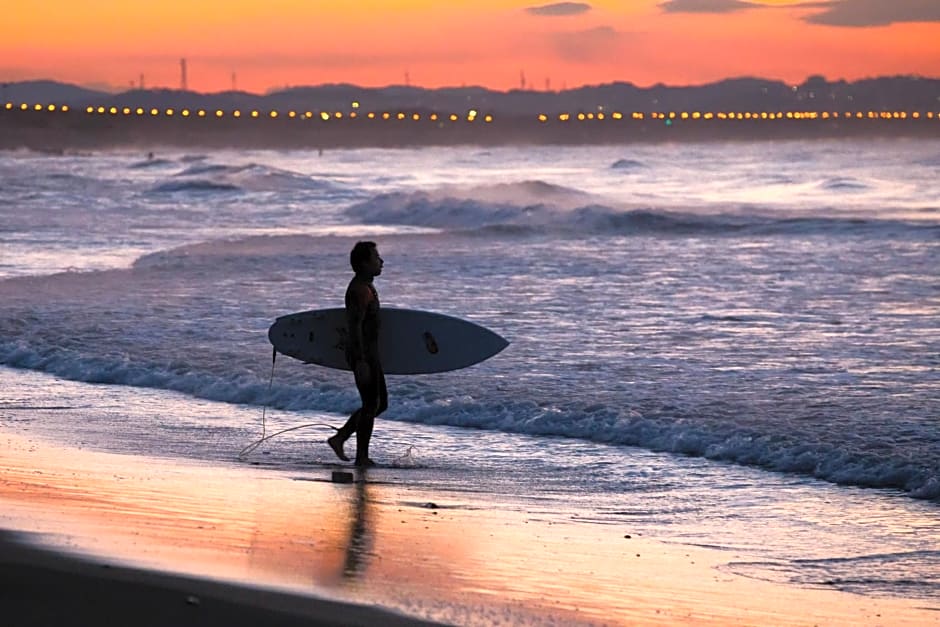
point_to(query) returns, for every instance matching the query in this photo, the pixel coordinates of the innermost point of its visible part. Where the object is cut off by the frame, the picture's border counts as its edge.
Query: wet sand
(160, 541)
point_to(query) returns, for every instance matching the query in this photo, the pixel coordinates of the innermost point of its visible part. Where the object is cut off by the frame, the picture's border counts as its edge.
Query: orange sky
(272, 43)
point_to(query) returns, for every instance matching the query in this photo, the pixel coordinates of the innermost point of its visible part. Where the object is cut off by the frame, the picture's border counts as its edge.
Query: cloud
(585, 46)
(560, 8)
(707, 6)
(862, 13)
(850, 13)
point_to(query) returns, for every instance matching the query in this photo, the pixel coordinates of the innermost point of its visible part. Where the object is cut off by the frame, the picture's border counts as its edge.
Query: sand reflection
(378, 542)
(360, 537)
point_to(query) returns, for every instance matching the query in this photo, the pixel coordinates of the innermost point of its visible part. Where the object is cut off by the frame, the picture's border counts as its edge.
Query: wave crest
(200, 176)
(195, 185)
(463, 213)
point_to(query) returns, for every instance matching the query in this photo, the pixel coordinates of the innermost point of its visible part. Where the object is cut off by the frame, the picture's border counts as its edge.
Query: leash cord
(248, 450)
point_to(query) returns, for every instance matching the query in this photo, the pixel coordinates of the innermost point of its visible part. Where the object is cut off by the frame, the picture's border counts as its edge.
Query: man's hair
(360, 254)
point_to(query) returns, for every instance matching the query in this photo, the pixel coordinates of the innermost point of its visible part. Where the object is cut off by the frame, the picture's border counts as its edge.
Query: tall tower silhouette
(184, 83)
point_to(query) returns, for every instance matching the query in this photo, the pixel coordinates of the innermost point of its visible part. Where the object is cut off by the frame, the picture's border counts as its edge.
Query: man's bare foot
(337, 445)
(365, 463)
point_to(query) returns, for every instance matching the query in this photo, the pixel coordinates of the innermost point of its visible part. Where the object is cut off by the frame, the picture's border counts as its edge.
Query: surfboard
(410, 341)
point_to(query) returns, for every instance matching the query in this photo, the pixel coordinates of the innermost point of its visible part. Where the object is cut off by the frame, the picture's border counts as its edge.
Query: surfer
(362, 352)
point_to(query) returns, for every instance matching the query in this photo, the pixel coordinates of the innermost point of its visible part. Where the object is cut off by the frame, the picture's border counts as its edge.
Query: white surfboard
(410, 341)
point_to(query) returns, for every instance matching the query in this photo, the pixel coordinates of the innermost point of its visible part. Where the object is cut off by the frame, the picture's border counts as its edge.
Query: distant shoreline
(77, 130)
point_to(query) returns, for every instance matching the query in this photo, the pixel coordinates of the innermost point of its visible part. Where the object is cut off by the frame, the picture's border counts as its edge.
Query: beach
(155, 542)
(717, 405)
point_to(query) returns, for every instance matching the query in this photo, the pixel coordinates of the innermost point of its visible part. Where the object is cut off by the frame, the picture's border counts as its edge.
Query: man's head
(364, 259)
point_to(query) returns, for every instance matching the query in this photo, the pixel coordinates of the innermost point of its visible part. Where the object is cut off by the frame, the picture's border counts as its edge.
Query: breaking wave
(195, 186)
(424, 209)
(201, 177)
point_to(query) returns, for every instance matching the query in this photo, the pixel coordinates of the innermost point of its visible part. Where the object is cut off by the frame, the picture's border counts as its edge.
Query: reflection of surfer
(362, 352)
(359, 537)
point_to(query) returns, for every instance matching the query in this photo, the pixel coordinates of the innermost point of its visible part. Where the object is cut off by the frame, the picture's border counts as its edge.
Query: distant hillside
(47, 91)
(739, 94)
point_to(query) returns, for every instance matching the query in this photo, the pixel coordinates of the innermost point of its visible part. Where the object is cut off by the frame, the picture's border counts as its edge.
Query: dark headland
(45, 115)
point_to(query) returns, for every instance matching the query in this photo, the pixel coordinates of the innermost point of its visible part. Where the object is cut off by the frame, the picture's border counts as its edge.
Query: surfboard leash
(248, 450)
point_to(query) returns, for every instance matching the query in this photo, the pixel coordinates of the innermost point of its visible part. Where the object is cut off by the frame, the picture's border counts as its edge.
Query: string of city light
(747, 115)
(471, 115)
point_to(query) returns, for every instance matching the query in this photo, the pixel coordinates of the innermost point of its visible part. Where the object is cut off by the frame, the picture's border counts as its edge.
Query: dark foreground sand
(40, 587)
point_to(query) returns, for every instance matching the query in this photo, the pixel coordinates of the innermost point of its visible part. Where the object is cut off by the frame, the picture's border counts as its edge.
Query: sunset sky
(494, 43)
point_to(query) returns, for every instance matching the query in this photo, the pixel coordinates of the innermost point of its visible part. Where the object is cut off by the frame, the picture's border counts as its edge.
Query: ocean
(730, 345)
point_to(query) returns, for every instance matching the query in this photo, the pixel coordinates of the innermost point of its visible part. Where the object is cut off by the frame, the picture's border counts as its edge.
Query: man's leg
(363, 418)
(337, 440)
(374, 402)
(363, 435)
